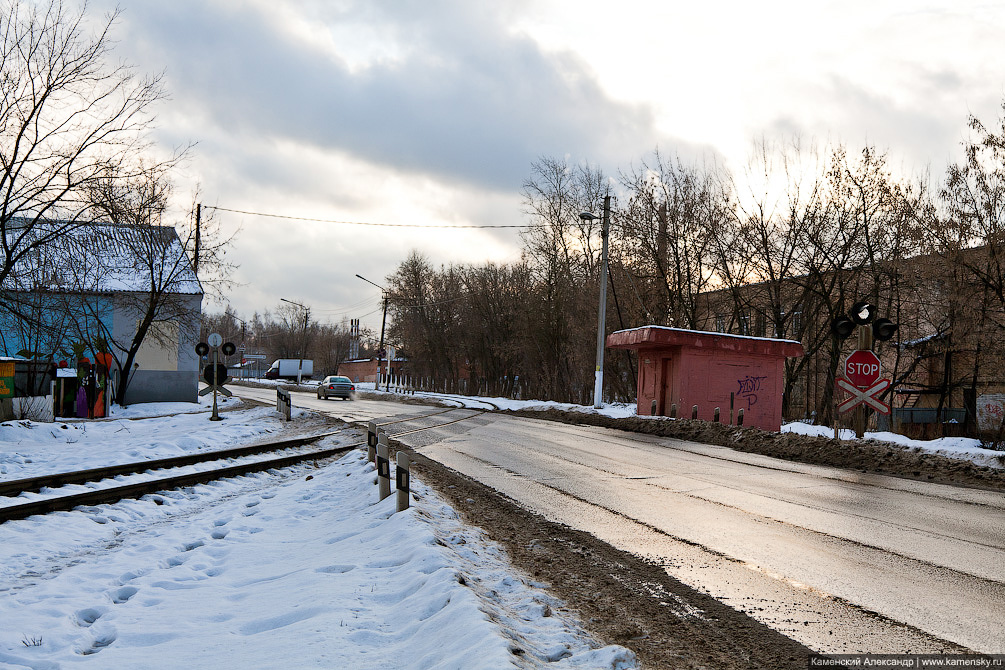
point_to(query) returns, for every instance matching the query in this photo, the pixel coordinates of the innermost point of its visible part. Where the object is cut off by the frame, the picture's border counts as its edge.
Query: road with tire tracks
(838, 560)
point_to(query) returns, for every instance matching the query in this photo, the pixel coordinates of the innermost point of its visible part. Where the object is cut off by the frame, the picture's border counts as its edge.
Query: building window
(744, 324)
(720, 323)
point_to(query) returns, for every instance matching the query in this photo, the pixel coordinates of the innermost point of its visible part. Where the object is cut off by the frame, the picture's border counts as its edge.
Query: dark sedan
(336, 387)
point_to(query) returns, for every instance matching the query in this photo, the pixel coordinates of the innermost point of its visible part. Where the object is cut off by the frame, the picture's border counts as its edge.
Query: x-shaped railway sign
(869, 396)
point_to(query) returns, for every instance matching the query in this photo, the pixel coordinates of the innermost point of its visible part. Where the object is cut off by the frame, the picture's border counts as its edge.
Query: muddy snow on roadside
(299, 568)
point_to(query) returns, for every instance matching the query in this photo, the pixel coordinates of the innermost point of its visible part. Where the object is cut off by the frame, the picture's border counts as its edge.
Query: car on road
(335, 386)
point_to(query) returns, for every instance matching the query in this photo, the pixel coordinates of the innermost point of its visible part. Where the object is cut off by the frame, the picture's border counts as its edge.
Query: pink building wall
(687, 368)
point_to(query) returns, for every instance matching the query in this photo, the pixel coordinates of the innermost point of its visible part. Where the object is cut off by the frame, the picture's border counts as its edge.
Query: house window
(744, 324)
(797, 323)
(720, 323)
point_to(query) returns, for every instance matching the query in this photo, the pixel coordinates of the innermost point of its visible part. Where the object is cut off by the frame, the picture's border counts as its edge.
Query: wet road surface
(816, 553)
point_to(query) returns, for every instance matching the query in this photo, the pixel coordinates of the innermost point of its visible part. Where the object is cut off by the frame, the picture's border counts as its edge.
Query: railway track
(110, 494)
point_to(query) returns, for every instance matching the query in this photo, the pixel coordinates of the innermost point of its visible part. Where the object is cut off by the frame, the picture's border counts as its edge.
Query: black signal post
(862, 317)
(215, 373)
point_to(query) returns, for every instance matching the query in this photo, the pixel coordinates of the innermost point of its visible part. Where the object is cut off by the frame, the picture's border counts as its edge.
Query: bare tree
(164, 292)
(67, 113)
(563, 255)
(670, 232)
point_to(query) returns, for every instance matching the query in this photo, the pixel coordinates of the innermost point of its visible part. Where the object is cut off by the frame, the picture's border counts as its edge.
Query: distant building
(365, 369)
(945, 362)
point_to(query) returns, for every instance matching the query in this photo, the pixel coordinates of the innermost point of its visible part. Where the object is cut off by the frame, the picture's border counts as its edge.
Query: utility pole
(598, 386)
(198, 218)
(661, 263)
(380, 348)
(383, 322)
(303, 343)
(303, 346)
(605, 229)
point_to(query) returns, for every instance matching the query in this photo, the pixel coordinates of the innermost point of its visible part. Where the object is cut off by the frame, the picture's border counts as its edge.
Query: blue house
(87, 293)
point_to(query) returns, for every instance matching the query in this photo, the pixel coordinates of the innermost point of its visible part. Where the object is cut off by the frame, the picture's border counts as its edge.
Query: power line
(365, 223)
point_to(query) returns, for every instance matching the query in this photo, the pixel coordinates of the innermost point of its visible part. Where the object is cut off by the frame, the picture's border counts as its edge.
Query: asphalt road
(838, 560)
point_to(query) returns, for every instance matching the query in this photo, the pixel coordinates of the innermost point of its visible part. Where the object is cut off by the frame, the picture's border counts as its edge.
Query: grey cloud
(471, 103)
(917, 138)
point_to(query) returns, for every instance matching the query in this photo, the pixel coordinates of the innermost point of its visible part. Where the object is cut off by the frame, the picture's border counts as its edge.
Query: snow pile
(614, 410)
(963, 448)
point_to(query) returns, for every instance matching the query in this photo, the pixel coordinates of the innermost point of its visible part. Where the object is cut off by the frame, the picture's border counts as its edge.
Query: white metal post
(598, 385)
(383, 467)
(401, 465)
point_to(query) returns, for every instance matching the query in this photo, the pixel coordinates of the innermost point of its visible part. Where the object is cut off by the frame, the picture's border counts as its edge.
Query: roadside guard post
(371, 440)
(401, 463)
(284, 405)
(383, 467)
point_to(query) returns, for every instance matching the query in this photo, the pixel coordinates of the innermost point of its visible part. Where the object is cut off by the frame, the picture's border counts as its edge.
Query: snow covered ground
(299, 568)
(963, 448)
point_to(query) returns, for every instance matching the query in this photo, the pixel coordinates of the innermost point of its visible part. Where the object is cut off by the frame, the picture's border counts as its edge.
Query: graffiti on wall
(749, 388)
(990, 412)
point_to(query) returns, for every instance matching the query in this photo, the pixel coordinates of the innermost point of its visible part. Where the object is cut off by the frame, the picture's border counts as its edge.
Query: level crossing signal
(862, 314)
(215, 373)
(862, 368)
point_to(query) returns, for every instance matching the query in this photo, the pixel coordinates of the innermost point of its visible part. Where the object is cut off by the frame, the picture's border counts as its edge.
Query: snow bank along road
(838, 560)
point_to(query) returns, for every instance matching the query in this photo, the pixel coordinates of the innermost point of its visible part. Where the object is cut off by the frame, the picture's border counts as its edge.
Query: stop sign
(862, 368)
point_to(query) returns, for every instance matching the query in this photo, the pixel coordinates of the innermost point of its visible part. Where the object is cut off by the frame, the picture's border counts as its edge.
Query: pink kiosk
(690, 367)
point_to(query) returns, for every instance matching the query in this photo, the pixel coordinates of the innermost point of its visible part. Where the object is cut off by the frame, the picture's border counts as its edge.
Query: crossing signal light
(884, 329)
(842, 327)
(863, 313)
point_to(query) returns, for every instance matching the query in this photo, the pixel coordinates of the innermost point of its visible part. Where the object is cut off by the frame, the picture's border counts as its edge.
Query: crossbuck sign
(868, 396)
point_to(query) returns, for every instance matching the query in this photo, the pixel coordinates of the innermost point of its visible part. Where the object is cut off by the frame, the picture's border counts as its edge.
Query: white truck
(286, 368)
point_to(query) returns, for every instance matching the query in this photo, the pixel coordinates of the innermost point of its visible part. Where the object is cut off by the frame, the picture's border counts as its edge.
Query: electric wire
(370, 223)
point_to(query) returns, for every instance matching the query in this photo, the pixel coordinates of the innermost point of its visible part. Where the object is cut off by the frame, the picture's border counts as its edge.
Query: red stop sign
(862, 368)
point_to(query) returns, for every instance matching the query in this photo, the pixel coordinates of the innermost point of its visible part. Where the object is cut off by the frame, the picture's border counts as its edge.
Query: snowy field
(299, 568)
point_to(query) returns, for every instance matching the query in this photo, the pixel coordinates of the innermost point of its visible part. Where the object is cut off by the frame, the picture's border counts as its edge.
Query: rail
(111, 494)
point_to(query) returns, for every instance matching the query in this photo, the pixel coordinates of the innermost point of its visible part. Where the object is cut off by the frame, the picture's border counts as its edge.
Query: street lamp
(303, 343)
(380, 347)
(598, 382)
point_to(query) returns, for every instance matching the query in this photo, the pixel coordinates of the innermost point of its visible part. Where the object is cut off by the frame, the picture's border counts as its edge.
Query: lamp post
(303, 343)
(380, 347)
(598, 382)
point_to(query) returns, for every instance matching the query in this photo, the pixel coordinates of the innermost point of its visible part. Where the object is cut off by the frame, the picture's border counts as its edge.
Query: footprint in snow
(334, 569)
(122, 594)
(87, 616)
(100, 641)
(127, 577)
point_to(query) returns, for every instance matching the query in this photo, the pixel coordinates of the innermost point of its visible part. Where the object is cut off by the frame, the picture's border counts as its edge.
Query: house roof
(649, 337)
(104, 258)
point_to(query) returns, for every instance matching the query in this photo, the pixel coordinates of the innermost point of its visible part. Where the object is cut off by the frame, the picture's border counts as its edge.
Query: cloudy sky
(431, 112)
